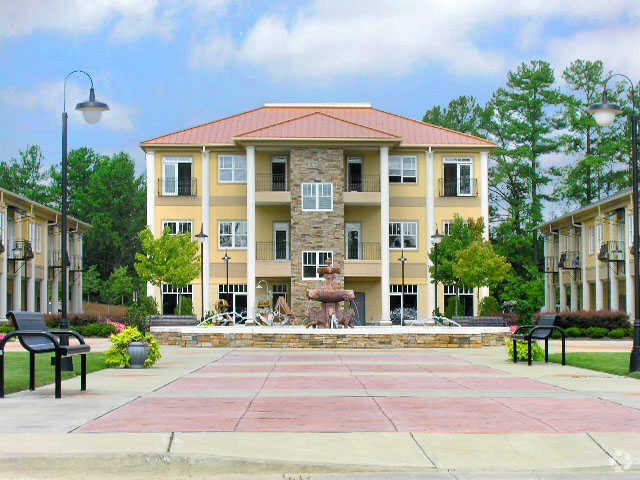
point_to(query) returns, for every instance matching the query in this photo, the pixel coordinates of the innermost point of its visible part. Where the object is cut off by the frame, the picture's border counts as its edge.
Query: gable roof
(352, 121)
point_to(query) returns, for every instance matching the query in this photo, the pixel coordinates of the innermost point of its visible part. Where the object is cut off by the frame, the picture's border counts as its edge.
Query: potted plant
(138, 350)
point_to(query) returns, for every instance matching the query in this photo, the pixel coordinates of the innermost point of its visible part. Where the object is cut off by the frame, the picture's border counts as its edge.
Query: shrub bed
(586, 319)
(77, 320)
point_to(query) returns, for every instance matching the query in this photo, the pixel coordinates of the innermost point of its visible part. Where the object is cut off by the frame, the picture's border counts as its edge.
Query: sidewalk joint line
(524, 414)
(170, 442)
(422, 450)
(603, 449)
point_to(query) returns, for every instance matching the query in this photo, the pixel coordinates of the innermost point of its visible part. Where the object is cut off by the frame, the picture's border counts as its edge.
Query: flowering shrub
(117, 325)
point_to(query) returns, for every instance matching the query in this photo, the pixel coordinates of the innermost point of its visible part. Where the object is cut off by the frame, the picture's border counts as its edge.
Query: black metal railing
(270, 182)
(612, 251)
(266, 251)
(364, 251)
(20, 250)
(366, 183)
(569, 261)
(458, 187)
(171, 187)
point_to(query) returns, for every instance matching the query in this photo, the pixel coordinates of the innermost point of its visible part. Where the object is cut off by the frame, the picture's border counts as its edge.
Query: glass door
(464, 179)
(280, 241)
(354, 174)
(352, 237)
(169, 178)
(279, 173)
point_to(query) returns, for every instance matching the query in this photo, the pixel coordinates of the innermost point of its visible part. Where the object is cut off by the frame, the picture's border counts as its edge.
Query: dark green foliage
(596, 332)
(585, 319)
(574, 332)
(96, 330)
(25, 176)
(6, 329)
(617, 333)
(489, 306)
(463, 114)
(76, 320)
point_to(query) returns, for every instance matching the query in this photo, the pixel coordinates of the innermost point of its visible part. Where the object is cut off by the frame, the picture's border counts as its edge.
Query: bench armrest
(523, 327)
(73, 333)
(29, 333)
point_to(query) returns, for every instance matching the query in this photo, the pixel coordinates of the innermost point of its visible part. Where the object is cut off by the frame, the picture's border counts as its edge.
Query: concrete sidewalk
(114, 428)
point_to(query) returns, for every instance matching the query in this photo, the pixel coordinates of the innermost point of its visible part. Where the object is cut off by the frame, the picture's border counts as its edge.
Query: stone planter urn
(138, 351)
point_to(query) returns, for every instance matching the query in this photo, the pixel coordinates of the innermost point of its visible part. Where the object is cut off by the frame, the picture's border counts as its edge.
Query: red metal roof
(318, 122)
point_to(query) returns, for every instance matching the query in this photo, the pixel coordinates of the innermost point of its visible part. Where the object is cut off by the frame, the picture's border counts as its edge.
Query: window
(403, 307)
(317, 197)
(38, 238)
(446, 227)
(232, 234)
(176, 176)
(592, 239)
(599, 234)
(236, 297)
(232, 169)
(403, 168)
(457, 177)
(630, 220)
(464, 295)
(278, 290)
(403, 235)
(173, 300)
(311, 261)
(177, 226)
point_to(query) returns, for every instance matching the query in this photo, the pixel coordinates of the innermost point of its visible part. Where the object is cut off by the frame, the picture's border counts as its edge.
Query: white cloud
(48, 98)
(126, 20)
(331, 38)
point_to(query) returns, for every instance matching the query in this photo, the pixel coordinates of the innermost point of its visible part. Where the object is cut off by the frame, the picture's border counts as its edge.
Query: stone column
(251, 233)
(484, 206)
(4, 277)
(586, 293)
(151, 199)
(19, 266)
(31, 266)
(44, 291)
(574, 283)
(206, 228)
(385, 308)
(430, 219)
(57, 261)
(614, 299)
(598, 281)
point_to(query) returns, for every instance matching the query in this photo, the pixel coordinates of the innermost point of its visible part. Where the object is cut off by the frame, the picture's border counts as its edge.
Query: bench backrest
(547, 320)
(31, 321)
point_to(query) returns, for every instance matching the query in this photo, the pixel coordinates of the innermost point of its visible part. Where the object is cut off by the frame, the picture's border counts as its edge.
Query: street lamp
(201, 238)
(91, 111)
(226, 259)
(604, 114)
(436, 238)
(402, 260)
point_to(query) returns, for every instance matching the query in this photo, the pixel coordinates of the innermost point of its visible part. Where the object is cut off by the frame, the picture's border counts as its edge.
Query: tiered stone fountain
(330, 297)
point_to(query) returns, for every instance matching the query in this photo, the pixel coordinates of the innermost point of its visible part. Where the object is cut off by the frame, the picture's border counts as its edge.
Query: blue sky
(164, 65)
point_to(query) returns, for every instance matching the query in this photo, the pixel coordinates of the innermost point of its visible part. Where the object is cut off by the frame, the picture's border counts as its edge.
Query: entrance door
(354, 174)
(361, 313)
(280, 241)
(352, 237)
(279, 173)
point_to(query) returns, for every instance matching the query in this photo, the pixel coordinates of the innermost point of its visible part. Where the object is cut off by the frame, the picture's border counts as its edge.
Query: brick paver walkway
(360, 391)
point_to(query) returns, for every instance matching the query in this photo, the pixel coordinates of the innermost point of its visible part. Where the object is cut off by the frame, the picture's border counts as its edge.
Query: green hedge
(587, 319)
(78, 320)
(96, 329)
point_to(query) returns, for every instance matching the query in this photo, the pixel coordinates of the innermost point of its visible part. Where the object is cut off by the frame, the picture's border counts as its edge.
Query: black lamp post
(201, 238)
(436, 238)
(604, 114)
(402, 260)
(91, 111)
(226, 259)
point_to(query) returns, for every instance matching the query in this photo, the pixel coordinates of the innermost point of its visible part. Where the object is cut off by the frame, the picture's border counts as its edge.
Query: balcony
(74, 262)
(20, 251)
(612, 251)
(363, 260)
(569, 261)
(170, 187)
(272, 189)
(362, 191)
(364, 251)
(272, 261)
(456, 188)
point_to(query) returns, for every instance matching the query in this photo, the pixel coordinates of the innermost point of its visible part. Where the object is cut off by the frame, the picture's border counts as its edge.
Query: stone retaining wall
(309, 339)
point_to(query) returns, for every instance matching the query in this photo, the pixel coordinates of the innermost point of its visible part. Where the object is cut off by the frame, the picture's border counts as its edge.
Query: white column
(251, 232)
(547, 281)
(151, 199)
(206, 228)
(562, 290)
(31, 265)
(4, 277)
(484, 206)
(614, 298)
(77, 275)
(385, 308)
(19, 266)
(574, 284)
(586, 293)
(430, 216)
(598, 281)
(44, 301)
(628, 265)
(55, 284)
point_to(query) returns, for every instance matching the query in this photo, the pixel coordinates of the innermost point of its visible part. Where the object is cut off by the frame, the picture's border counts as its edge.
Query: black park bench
(542, 330)
(35, 337)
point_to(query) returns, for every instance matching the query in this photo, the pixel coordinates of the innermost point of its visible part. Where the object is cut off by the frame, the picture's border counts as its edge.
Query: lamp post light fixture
(226, 259)
(402, 260)
(604, 114)
(201, 239)
(436, 238)
(92, 112)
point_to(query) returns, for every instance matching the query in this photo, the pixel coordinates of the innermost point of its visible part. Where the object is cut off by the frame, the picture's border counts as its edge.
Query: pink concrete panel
(312, 382)
(310, 367)
(400, 358)
(457, 415)
(170, 414)
(309, 357)
(502, 383)
(257, 368)
(407, 382)
(186, 384)
(448, 368)
(570, 415)
(314, 414)
(388, 367)
(248, 358)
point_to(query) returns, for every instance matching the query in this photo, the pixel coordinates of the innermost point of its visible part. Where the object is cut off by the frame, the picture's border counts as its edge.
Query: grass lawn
(16, 369)
(609, 362)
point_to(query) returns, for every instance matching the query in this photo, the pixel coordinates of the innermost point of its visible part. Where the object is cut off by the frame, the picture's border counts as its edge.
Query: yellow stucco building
(281, 188)
(30, 258)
